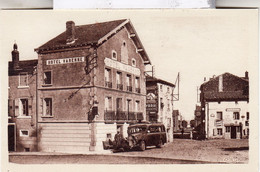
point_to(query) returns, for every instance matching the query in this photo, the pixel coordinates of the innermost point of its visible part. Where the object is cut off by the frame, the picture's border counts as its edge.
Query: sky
(194, 43)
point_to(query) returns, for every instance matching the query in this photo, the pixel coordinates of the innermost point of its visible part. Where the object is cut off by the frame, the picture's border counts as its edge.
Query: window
(119, 80)
(137, 106)
(161, 88)
(219, 131)
(134, 62)
(128, 105)
(47, 78)
(228, 129)
(47, 107)
(168, 89)
(161, 101)
(219, 115)
(23, 107)
(137, 84)
(247, 116)
(236, 115)
(128, 83)
(23, 79)
(24, 133)
(108, 103)
(108, 78)
(246, 123)
(114, 55)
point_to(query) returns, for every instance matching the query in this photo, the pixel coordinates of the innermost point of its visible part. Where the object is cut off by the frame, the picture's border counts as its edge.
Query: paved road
(94, 159)
(180, 151)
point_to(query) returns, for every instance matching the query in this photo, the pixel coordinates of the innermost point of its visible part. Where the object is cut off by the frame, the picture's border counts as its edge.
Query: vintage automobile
(142, 135)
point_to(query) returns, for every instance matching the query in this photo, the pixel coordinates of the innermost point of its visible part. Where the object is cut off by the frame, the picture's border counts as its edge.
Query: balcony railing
(121, 115)
(140, 116)
(119, 86)
(108, 84)
(113, 116)
(138, 90)
(129, 88)
(131, 116)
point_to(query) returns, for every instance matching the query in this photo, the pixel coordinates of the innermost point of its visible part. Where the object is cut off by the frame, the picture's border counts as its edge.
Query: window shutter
(42, 107)
(30, 106)
(214, 132)
(16, 107)
(10, 107)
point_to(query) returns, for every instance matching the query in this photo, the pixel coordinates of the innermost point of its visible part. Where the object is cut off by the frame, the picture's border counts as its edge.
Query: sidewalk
(103, 152)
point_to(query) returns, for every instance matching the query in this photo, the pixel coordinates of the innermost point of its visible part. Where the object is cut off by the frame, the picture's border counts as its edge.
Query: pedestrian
(191, 135)
(182, 132)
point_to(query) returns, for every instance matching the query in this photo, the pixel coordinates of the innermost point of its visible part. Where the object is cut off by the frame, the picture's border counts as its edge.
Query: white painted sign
(65, 60)
(121, 66)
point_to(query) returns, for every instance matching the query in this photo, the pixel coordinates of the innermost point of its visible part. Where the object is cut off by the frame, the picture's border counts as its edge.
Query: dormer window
(114, 55)
(134, 62)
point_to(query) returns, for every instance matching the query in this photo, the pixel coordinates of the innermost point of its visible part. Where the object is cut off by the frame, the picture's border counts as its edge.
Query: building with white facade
(159, 103)
(225, 102)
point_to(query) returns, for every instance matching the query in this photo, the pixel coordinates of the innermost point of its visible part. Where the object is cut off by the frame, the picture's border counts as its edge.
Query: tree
(192, 123)
(184, 124)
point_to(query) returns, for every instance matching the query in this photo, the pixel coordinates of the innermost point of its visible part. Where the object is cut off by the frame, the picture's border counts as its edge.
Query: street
(180, 151)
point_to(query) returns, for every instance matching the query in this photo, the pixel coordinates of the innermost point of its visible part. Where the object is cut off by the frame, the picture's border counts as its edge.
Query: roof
(227, 73)
(24, 66)
(94, 34)
(156, 80)
(234, 88)
(228, 96)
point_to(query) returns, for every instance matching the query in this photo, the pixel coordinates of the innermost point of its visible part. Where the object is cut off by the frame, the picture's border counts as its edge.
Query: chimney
(246, 75)
(70, 32)
(15, 56)
(220, 83)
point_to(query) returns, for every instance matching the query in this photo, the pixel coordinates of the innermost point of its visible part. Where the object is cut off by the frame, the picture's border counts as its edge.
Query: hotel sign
(121, 66)
(233, 109)
(65, 60)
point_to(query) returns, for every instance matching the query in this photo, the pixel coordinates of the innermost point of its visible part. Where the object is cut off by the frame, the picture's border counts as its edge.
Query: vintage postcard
(150, 89)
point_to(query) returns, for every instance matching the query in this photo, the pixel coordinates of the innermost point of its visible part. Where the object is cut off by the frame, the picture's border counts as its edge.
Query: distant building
(224, 103)
(197, 115)
(159, 103)
(175, 119)
(22, 135)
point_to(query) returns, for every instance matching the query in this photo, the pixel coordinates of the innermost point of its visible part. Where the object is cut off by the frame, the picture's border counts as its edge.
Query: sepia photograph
(130, 87)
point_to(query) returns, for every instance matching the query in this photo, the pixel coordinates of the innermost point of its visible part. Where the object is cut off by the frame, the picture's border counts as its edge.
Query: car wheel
(159, 144)
(142, 146)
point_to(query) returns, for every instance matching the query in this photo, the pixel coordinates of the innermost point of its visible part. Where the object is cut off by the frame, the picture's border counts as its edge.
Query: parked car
(142, 135)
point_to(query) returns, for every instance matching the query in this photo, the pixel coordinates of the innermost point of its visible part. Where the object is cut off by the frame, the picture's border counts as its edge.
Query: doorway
(11, 137)
(233, 132)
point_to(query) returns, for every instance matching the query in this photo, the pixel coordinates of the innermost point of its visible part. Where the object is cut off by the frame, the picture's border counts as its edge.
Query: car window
(136, 129)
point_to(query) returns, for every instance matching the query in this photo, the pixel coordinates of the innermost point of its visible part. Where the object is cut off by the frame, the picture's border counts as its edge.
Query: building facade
(91, 84)
(159, 103)
(22, 135)
(197, 115)
(225, 107)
